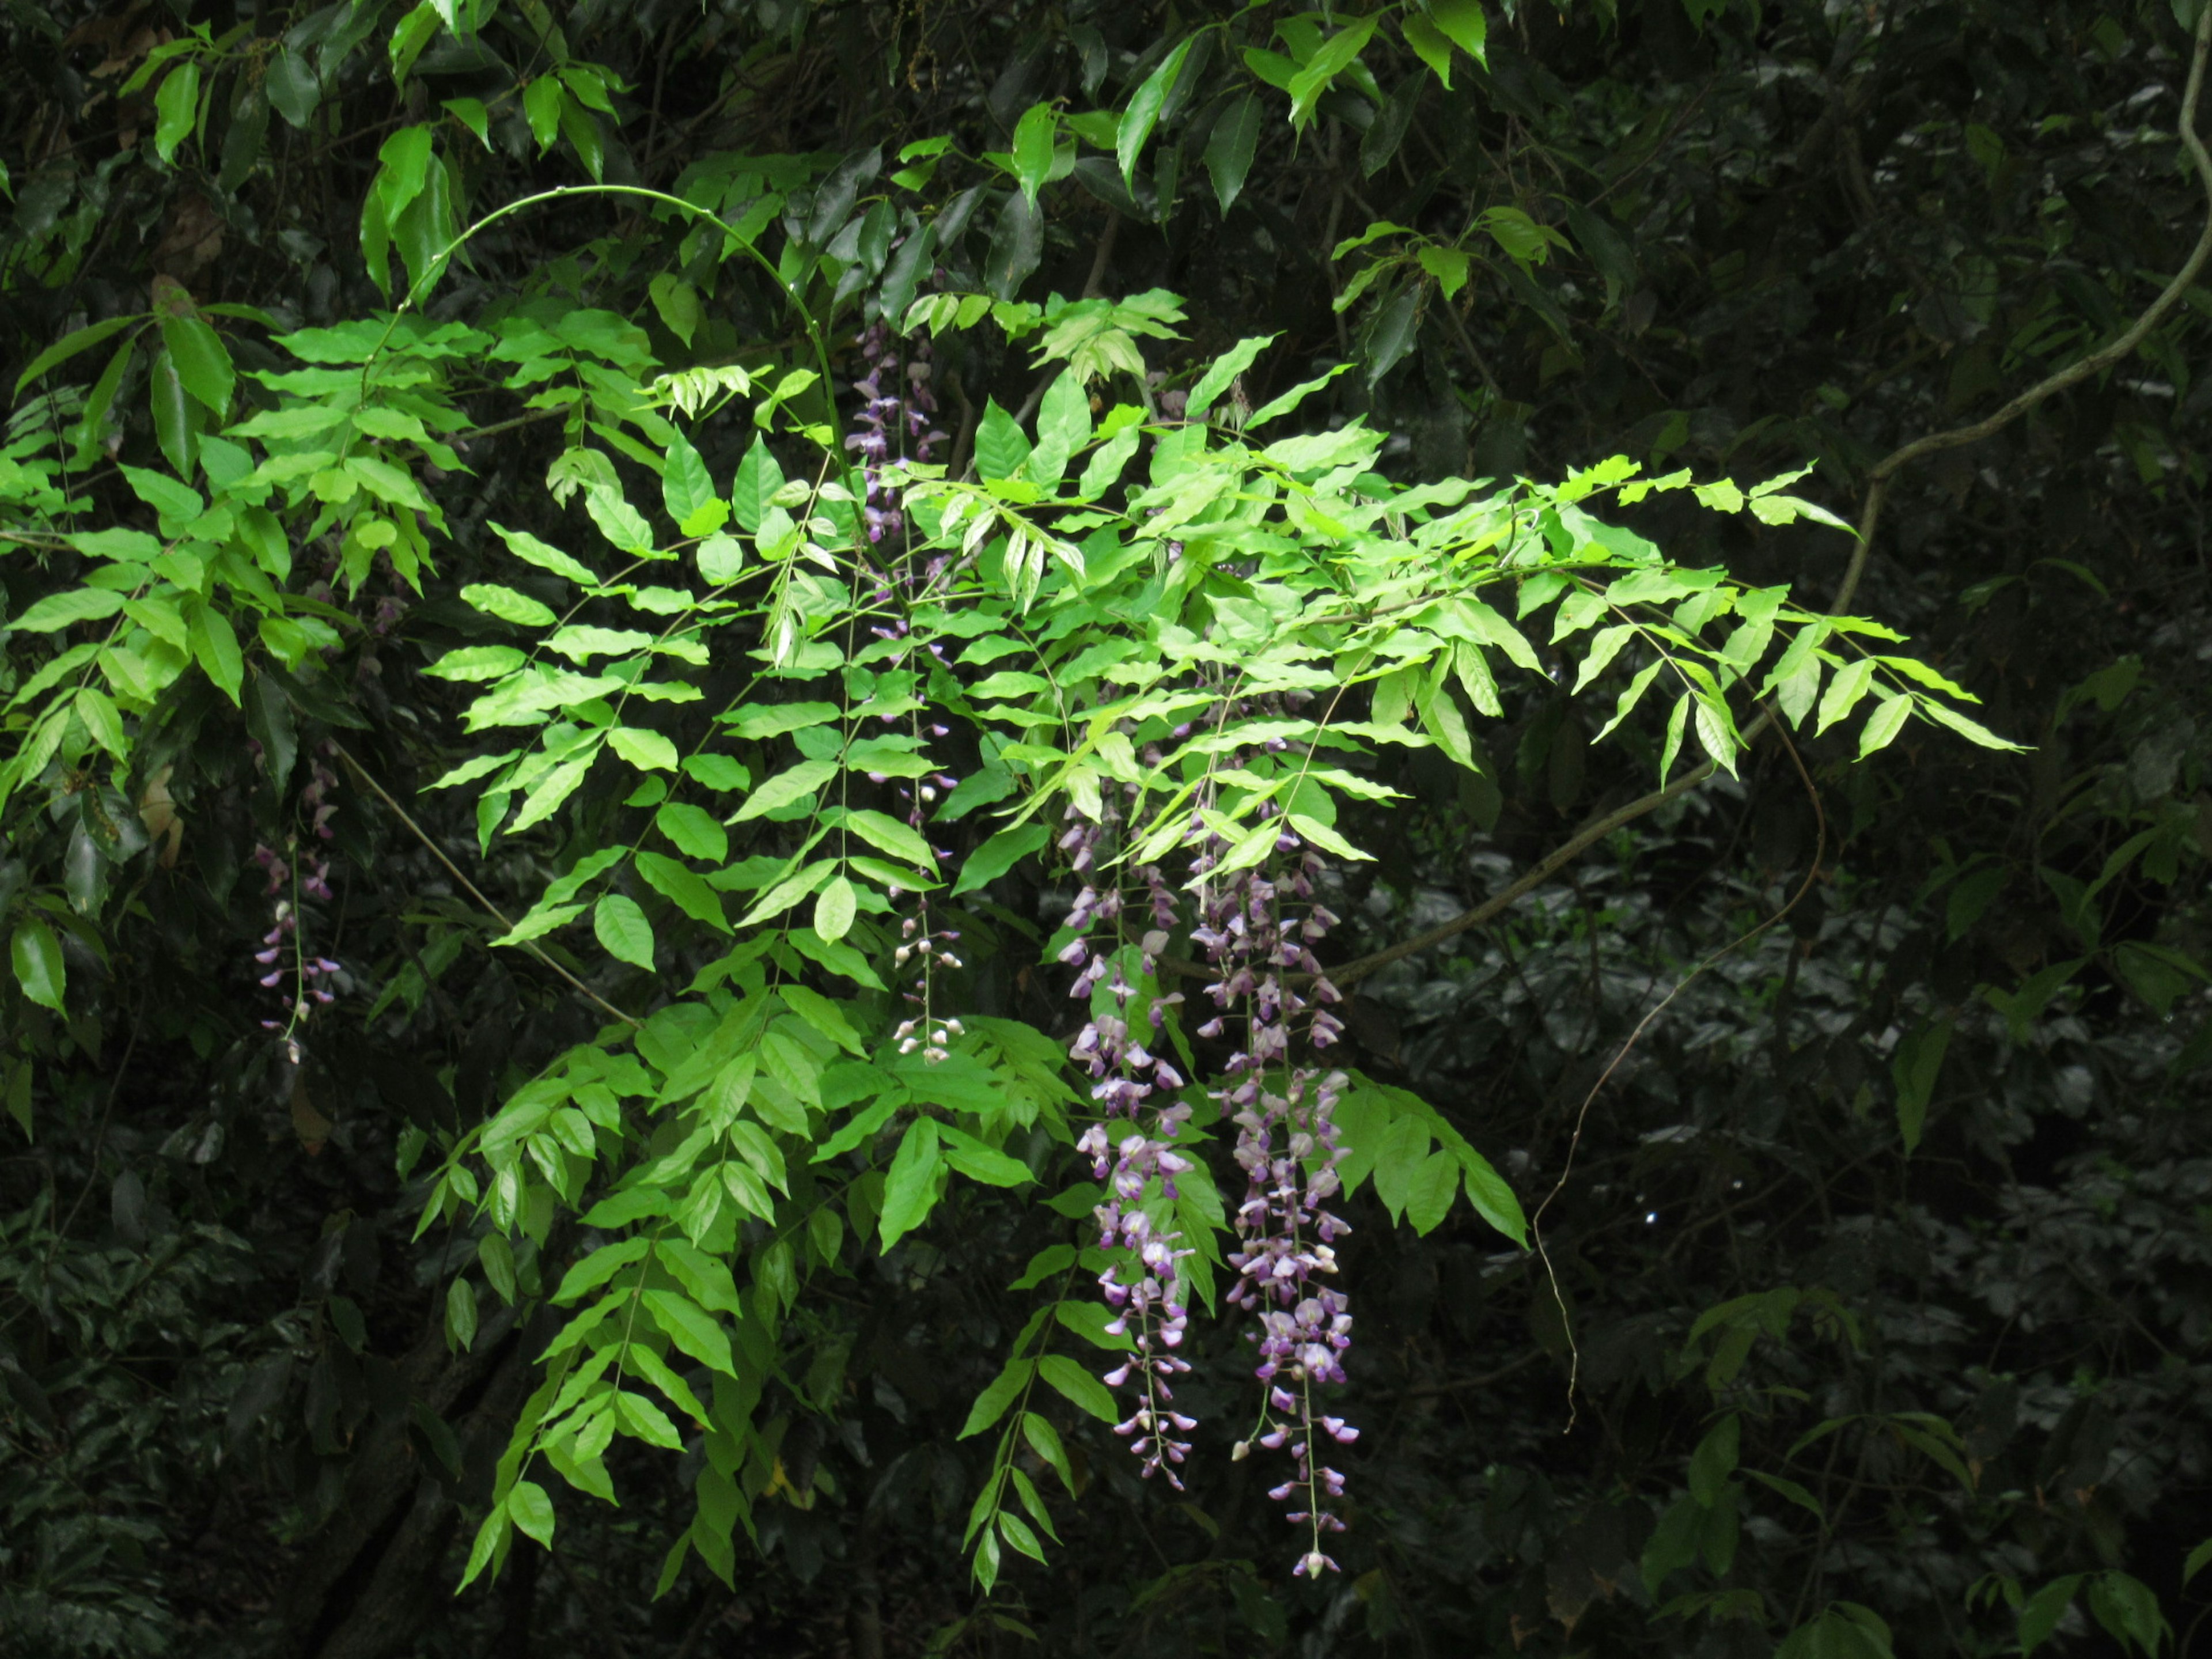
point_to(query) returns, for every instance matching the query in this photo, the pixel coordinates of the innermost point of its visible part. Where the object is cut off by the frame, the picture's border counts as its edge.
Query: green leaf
(722, 558)
(1493, 1200)
(1462, 22)
(649, 751)
(581, 129)
(177, 418)
(705, 1279)
(528, 548)
(1392, 334)
(788, 891)
(1429, 1195)
(215, 646)
(175, 501)
(1016, 1531)
(532, 1511)
(1144, 112)
(618, 522)
(406, 168)
(201, 362)
(1519, 237)
(972, 1158)
(685, 489)
(546, 796)
(1001, 449)
(900, 841)
(910, 1187)
(461, 1316)
(677, 302)
(1844, 693)
(60, 610)
(826, 1016)
(1915, 1068)
(477, 662)
(601, 1265)
(36, 955)
(1884, 723)
(998, 855)
(2195, 1562)
(991, 1404)
(758, 480)
(2040, 1615)
(694, 831)
(292, 87)
(1063, 415)
(471, 115)
(174, 107)
(1972, 730)
(1790, 1490)
(97, 710)
(623, 929)
(1230, 149)
(835, 909)
(541, 107)
(1222, 373)
(1715, 1460)
(1676, 723)
(691, 1328)
(721, 773)
(683, 887)
(1430, 43)
(1034, 137)
(986, 1560)
(70, 344)
(797, 784)
(1078, 1387)
(508, 605)
(1322, 70)
(1441, 719)
(1044, 1440)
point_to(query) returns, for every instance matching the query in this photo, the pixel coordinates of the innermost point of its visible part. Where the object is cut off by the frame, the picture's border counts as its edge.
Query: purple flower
(1130, 1149)
(897, 405)
(1287, 1145)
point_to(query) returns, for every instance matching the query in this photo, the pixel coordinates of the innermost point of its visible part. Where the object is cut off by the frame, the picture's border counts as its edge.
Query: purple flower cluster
(1132, 1145)
(316, 799)
(898, 407)
(292, 878)
(312, 976)
(1287, 1144)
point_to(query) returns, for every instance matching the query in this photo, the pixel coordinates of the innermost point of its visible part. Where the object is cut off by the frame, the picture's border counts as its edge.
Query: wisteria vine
(1287, 1145)
(1131, 1145)
(1260, 957)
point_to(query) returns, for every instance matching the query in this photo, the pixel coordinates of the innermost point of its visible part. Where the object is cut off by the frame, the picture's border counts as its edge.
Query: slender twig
(1474, 351)
(1878, 482)
(1458, 1384)
(1575, 1140)
(100, 1135)
(1095, 283)
(531, 419)
(454, 870)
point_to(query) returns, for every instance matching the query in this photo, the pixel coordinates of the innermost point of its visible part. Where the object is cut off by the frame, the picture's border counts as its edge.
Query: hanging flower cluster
(291, 879)
(896, 422)
(1287, 1144)
(1132, 1145)
(898, 408)
(925, 948)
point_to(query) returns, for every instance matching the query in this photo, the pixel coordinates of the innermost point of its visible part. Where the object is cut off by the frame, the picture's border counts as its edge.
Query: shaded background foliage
(1923, 1162)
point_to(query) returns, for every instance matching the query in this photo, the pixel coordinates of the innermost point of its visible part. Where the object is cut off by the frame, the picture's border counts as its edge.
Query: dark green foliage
(1871, 1313)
